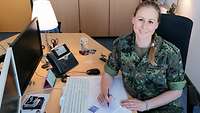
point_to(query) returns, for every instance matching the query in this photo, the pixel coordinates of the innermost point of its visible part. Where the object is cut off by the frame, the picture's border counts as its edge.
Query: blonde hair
(152, 52)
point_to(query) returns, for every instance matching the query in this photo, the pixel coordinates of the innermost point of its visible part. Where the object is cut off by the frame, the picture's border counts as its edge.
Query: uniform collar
(157, 40)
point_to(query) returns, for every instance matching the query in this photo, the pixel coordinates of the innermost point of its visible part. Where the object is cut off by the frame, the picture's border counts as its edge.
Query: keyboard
(75, 95)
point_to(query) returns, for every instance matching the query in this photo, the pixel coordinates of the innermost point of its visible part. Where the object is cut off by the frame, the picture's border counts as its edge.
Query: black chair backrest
(177, 30)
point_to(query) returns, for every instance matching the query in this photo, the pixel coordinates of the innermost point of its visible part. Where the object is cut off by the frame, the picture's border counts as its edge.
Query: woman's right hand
(103, 98)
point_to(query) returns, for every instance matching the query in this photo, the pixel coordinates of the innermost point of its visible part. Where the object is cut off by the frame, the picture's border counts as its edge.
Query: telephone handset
(61, 59)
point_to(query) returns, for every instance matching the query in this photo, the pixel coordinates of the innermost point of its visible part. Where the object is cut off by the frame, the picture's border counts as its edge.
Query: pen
(108, 97)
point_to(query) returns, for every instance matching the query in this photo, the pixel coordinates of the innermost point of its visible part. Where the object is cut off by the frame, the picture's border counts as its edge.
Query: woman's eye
(140, 19)
(150, 22)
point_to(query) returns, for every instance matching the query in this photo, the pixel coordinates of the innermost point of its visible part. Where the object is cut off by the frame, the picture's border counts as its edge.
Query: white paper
(118, 94)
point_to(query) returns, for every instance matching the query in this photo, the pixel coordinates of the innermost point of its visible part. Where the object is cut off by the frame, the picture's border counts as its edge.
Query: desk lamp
(43, 10)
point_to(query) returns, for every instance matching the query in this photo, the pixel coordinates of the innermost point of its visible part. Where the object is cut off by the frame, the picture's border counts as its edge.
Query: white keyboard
(75, 95)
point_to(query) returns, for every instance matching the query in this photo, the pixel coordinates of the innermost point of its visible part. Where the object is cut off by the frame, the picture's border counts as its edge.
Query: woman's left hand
(134, 104)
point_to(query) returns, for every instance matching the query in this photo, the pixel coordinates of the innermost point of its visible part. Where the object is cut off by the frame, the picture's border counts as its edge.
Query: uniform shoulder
(169, 47)
(123, 39)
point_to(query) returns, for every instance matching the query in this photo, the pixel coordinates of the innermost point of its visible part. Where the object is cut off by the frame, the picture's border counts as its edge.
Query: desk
(72, 40)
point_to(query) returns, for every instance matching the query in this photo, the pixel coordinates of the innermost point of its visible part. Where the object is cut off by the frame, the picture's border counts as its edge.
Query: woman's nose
(144, 25)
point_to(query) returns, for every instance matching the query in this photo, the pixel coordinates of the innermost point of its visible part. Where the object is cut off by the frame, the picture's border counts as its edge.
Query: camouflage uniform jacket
(143, 80)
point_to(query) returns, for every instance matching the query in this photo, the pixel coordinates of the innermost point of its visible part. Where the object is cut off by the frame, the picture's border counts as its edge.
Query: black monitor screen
(27, 50)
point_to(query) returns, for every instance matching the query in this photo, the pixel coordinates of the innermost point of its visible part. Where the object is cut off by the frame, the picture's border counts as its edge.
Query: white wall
(191, 9)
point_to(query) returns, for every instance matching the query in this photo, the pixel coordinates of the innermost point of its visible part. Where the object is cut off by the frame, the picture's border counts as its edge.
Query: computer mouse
(93, 71)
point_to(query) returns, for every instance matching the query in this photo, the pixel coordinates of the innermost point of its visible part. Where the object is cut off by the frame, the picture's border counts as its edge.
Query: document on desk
(42, 110)
(118, 94)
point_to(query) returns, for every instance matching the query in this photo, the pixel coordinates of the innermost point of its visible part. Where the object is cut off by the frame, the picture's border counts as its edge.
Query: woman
(151, 67)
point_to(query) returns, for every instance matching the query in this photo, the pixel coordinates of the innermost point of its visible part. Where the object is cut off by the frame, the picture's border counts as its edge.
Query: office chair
(177, 30)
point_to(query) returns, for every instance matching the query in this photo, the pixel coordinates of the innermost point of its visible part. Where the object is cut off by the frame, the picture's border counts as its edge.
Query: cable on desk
(39, 75)
(75, 72)
(32, 82)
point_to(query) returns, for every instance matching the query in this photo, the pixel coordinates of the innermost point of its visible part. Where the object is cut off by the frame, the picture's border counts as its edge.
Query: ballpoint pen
(108, 94)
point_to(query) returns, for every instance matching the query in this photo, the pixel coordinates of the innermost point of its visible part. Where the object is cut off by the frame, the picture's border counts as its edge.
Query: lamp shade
(43, 10)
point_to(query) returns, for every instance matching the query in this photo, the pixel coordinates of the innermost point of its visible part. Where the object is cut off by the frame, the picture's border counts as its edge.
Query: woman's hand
(134, 105)
(103, 98)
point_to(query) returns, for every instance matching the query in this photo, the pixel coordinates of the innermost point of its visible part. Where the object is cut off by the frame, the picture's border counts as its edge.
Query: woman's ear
(133, 20)
(157, 24)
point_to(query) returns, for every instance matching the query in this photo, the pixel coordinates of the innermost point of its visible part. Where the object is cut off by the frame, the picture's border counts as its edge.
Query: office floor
(105, 41)
(4, 35)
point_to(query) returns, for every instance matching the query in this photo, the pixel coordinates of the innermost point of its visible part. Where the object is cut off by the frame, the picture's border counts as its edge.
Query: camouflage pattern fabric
(143, 80)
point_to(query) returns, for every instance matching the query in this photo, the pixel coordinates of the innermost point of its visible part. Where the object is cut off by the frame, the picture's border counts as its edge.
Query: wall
(66, 12)
(191, 9)
(121, 12)
(96, 18)
(14, 15)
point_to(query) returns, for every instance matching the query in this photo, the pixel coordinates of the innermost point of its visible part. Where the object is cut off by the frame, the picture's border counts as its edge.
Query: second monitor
(27, 50)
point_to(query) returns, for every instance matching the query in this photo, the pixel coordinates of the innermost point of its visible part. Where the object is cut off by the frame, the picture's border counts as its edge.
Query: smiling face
(145, 22)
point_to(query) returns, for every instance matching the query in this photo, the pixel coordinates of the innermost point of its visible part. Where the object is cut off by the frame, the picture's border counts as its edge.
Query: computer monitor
(27, 51)
(10, 95)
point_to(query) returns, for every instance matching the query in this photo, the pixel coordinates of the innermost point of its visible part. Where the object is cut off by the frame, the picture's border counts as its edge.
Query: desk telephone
(61, 59)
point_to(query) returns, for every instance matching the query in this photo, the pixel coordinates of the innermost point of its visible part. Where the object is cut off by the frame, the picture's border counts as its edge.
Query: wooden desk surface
(72, 40)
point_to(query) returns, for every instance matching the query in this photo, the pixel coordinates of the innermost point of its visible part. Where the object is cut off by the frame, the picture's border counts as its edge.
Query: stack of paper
(118, 94)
